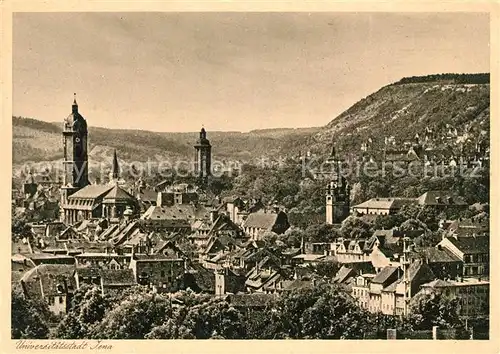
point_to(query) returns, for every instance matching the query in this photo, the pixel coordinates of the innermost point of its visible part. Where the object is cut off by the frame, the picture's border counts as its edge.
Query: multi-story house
(473, 251)
(473, 294)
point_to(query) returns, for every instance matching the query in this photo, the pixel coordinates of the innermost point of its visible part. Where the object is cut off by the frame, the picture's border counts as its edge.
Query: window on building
(162, 273)
(61, 300)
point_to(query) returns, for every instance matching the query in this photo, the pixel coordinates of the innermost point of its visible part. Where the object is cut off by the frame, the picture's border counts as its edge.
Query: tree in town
(28, 317)
(355, 227)
(325, 311)
(428, 310)
(134, 316)
(87, 310)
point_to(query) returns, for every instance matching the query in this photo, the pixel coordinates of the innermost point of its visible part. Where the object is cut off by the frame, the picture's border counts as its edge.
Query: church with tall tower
(81, 200)
(338, 192)
(75, 158)
(203, 158)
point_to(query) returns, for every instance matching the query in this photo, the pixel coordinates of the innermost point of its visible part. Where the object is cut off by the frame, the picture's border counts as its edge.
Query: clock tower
(203, 158)
(75, 160)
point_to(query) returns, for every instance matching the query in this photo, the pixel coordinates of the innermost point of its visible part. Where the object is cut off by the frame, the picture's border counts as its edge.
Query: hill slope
(438, 103)
(404, 109)
(35, 141)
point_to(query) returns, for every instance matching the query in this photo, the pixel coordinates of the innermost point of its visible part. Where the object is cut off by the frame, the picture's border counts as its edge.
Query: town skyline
(229, 90)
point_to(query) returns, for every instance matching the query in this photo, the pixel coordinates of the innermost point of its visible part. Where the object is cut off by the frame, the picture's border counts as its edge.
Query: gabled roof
(385, 203)
(436, 255)
(445, 198)
(471, 244)
(50, 276)
(343, 274)
(117, 277)
(92, 191)
(264, 221)
(118, 193)
(180, 212)
(385, 274)
(392, 287)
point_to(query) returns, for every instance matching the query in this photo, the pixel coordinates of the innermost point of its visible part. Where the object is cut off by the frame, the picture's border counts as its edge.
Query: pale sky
(228, 71)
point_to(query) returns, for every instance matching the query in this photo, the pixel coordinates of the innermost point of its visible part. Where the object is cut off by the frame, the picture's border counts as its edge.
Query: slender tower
(338, 193)
(203, 158)
(115, 169)
(75, 159)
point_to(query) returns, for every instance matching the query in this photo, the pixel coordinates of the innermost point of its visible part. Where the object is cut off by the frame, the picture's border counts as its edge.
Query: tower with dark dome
(203, 158)
(75, 159)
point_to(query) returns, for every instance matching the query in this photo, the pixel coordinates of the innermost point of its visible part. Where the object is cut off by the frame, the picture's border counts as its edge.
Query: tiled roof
(154, 258)
(385, 203)
(471, 244)
(42, 256)
(92, 191)
(391, 249)
(118, 277)
(118, 193)
(88, 272)
(392, 287)
(445, 198)
(200, 278)
(436, 255)
(289, 285)
(184, 212)
(148, 195)
(342, 274)
(384, 275)
(50, 276)
(263, 221)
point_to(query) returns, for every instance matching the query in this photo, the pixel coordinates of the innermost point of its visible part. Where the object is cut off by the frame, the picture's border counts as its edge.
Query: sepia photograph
(250, 175)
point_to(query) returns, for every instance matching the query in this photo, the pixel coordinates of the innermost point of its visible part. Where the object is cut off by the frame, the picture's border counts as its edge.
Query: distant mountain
(35, 141)
(402, 109)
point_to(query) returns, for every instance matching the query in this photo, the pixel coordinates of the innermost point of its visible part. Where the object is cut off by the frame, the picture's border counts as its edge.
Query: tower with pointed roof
(115, 169)
(75, 159)
(338, 192)
(203, 158)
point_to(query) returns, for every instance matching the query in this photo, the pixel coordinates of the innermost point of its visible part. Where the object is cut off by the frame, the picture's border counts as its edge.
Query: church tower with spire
(203, 158)
(338, 193)
(115, 170)
(75, 159)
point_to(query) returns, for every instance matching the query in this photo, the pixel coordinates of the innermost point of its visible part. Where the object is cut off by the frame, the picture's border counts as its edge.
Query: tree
(88, 308)
(435, 310)
(355, 227)
(215, 318)
(321, 233)
(387, 222)
(204, 318)
(28, 317)
(324, 311)
(135, 316)
(327, 269)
